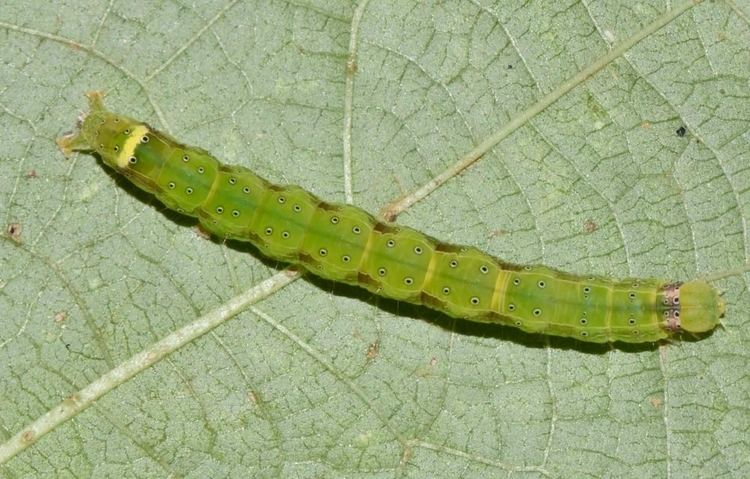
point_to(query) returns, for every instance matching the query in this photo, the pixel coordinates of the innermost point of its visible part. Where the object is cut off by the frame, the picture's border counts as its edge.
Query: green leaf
(609, 138)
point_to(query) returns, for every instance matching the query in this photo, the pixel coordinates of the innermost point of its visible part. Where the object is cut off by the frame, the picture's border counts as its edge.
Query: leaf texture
(598, 137)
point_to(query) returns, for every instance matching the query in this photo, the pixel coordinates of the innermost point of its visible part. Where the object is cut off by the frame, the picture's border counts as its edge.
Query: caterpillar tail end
(96, 100)
(701, 307)
(71, 142)
(78, 140)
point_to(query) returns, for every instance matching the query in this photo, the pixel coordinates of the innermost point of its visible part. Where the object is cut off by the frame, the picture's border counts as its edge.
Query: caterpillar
(344, 243)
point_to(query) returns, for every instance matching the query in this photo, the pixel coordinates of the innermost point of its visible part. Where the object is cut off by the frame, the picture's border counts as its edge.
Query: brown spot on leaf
(28, 437)
(407, 454)
(373, 350)
(14, 232)
(428, 369)
(589, 226)
(351, 67)
(60, 317)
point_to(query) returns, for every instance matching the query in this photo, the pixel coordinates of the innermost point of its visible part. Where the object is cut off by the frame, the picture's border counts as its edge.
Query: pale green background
(598, 182)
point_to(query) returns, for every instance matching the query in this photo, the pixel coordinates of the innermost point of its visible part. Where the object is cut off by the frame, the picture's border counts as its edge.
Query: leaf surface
(616, 141)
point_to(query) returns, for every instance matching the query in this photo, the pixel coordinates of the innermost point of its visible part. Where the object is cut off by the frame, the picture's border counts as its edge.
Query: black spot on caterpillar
(346, 244)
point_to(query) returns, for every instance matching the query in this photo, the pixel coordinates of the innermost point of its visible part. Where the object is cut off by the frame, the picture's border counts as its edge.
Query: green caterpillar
(344, 243)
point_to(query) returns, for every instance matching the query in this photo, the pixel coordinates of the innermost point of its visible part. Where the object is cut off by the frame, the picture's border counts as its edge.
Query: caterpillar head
(700, 307)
